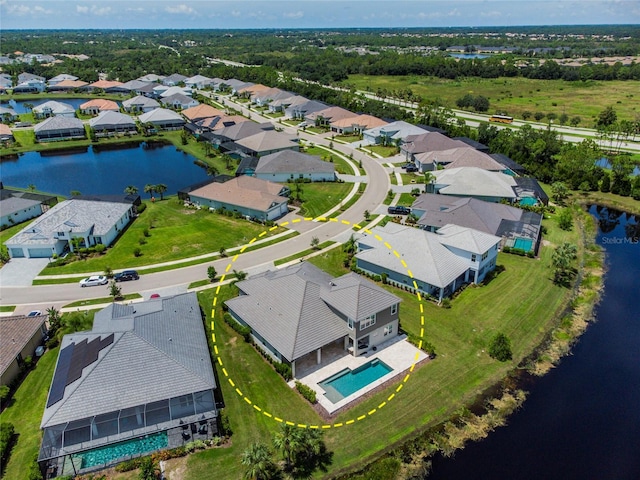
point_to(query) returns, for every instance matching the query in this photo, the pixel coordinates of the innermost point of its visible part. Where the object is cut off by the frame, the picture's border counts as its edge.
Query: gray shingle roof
(466, 212)
(160, 115)
(467, 239)
(289, 161)
(473, 181)
(155, 355)
(290, 308)
(111, 119)
(11, 205)
(267, 141)
(141, 101)
(59, 123)
(55, 107)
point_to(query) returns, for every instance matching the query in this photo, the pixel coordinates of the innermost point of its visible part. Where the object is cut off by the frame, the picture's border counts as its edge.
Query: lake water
(582, 420)
(19, 108)
(604, 163)
(467, 56)
(106, 172)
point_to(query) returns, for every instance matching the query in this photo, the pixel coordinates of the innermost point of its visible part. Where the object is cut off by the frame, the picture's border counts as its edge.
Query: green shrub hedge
(306, 392)
(241, 329)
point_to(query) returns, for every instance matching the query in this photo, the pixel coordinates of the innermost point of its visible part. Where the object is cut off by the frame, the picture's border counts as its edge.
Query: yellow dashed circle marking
(303, 425)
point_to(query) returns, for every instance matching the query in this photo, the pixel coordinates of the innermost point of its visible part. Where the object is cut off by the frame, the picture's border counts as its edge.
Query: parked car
(155, 295)
(397, 210)
(126, 275)
(411, 168)
(34, 313)
(407, 165)
(93, 281)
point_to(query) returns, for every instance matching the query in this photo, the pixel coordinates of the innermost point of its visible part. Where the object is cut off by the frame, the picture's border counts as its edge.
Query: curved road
(374, 195)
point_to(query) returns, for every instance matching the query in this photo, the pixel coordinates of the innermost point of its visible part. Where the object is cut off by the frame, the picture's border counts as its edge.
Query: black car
(411, 168)
(397, 210)
(126, 276)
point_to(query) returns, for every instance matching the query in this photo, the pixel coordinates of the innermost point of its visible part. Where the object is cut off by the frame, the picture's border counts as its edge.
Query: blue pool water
(528, 201)
(135, 447)
(524, 244)
(348, 381)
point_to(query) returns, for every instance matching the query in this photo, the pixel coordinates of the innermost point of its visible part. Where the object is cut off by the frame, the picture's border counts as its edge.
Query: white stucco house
(93, 222)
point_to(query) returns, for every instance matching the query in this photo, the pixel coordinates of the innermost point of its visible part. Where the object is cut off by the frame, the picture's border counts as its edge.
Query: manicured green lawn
(406, 199)
(98, 301)
(348, 138)
(382, 150)
(177, 233)
(303, 253)
(515, 95)
(340, 164)
(318, 197)
(25, 412)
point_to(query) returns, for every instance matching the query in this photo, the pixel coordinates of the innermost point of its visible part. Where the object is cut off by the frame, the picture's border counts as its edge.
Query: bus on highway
(501, 118)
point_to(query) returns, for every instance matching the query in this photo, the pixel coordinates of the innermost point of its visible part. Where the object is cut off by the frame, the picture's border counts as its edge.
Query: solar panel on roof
(60, 378)
(75, 369)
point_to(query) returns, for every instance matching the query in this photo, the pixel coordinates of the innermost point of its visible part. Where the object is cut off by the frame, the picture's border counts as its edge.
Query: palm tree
(31, 187)
(150, 189)
(161, 188)
(287, 441)
(131, 190)
(257, 459)
(429, 178)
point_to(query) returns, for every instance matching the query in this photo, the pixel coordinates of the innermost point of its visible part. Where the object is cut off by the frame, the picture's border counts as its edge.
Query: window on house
(367, 322)
(388, 330)
(473, 257)
(350, 323)
(394, 309)
(485, 255)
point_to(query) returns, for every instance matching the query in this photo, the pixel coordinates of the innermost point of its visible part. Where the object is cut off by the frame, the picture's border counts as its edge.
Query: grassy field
(177, 233)
(318, 197)
(303, 253)
(521, 302)
(383, 151)
(340, 164)
(98, 301)
(515, 95)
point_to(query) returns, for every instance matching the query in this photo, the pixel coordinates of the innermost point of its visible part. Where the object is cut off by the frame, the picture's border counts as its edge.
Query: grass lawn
(383, 151)
(98, 301)
(515, 95)
(627, 204)
(406, 200)
(7, 308)
(340, 164)
(319, 197)
(348, 138)
(177, 233)
(303, 253)
(25, 412)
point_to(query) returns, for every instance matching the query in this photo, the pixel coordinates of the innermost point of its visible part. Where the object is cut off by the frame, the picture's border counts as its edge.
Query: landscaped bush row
(163, 455)
(6, 440)
(306, 392)
(241, 329)
(518, 251)
(427, 347)
(141, 208)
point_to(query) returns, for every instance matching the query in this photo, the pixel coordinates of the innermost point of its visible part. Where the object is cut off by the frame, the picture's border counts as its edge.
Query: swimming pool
(524, 244)
(530, 201)
(347, 381)
(106, 455)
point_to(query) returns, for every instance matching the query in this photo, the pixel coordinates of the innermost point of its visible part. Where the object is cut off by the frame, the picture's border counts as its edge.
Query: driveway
(20, 272)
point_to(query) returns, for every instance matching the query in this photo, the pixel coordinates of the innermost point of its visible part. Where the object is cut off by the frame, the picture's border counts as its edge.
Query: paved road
(252, 262)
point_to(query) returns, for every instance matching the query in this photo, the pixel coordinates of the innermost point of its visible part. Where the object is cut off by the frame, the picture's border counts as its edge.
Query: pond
(18, 105)
(467, 56)
(103, 173)
(582, 420)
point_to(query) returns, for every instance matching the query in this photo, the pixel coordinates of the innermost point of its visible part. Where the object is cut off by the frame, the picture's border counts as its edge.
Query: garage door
(39, 252)
(17, 253)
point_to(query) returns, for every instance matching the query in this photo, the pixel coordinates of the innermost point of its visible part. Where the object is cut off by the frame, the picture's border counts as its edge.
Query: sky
(221, 14)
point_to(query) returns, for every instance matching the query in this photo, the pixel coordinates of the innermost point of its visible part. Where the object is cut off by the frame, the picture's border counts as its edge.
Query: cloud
(181, 9)
(23, 10)
(94, 10)
(297, 14)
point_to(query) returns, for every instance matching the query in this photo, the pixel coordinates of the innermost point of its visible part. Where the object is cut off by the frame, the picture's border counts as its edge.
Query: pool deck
(397, 353)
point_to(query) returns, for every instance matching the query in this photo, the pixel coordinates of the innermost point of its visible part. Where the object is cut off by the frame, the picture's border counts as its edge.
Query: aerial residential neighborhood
(282, 260)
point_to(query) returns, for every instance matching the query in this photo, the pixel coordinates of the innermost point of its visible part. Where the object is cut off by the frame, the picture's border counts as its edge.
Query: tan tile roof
(202, 111)
(71, 84)
(243, 191)
(105, 84)
(5, 130)
(101, 104)
(363, 121)
(15, 332)
(254, 89)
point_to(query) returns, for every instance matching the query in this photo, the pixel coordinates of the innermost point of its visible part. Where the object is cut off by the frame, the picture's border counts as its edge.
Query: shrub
(284, 370)
(500, 348)
(99, 248)
(142, 241)
(6, 438)
(241, 329)
(446, 303)
(146, 233)
(128, 465)
(137, 252)
(4, 393)
(224, 426)
(306, 392)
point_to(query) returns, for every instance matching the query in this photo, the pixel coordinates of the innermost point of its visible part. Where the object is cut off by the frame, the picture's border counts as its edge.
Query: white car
(94, 280)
